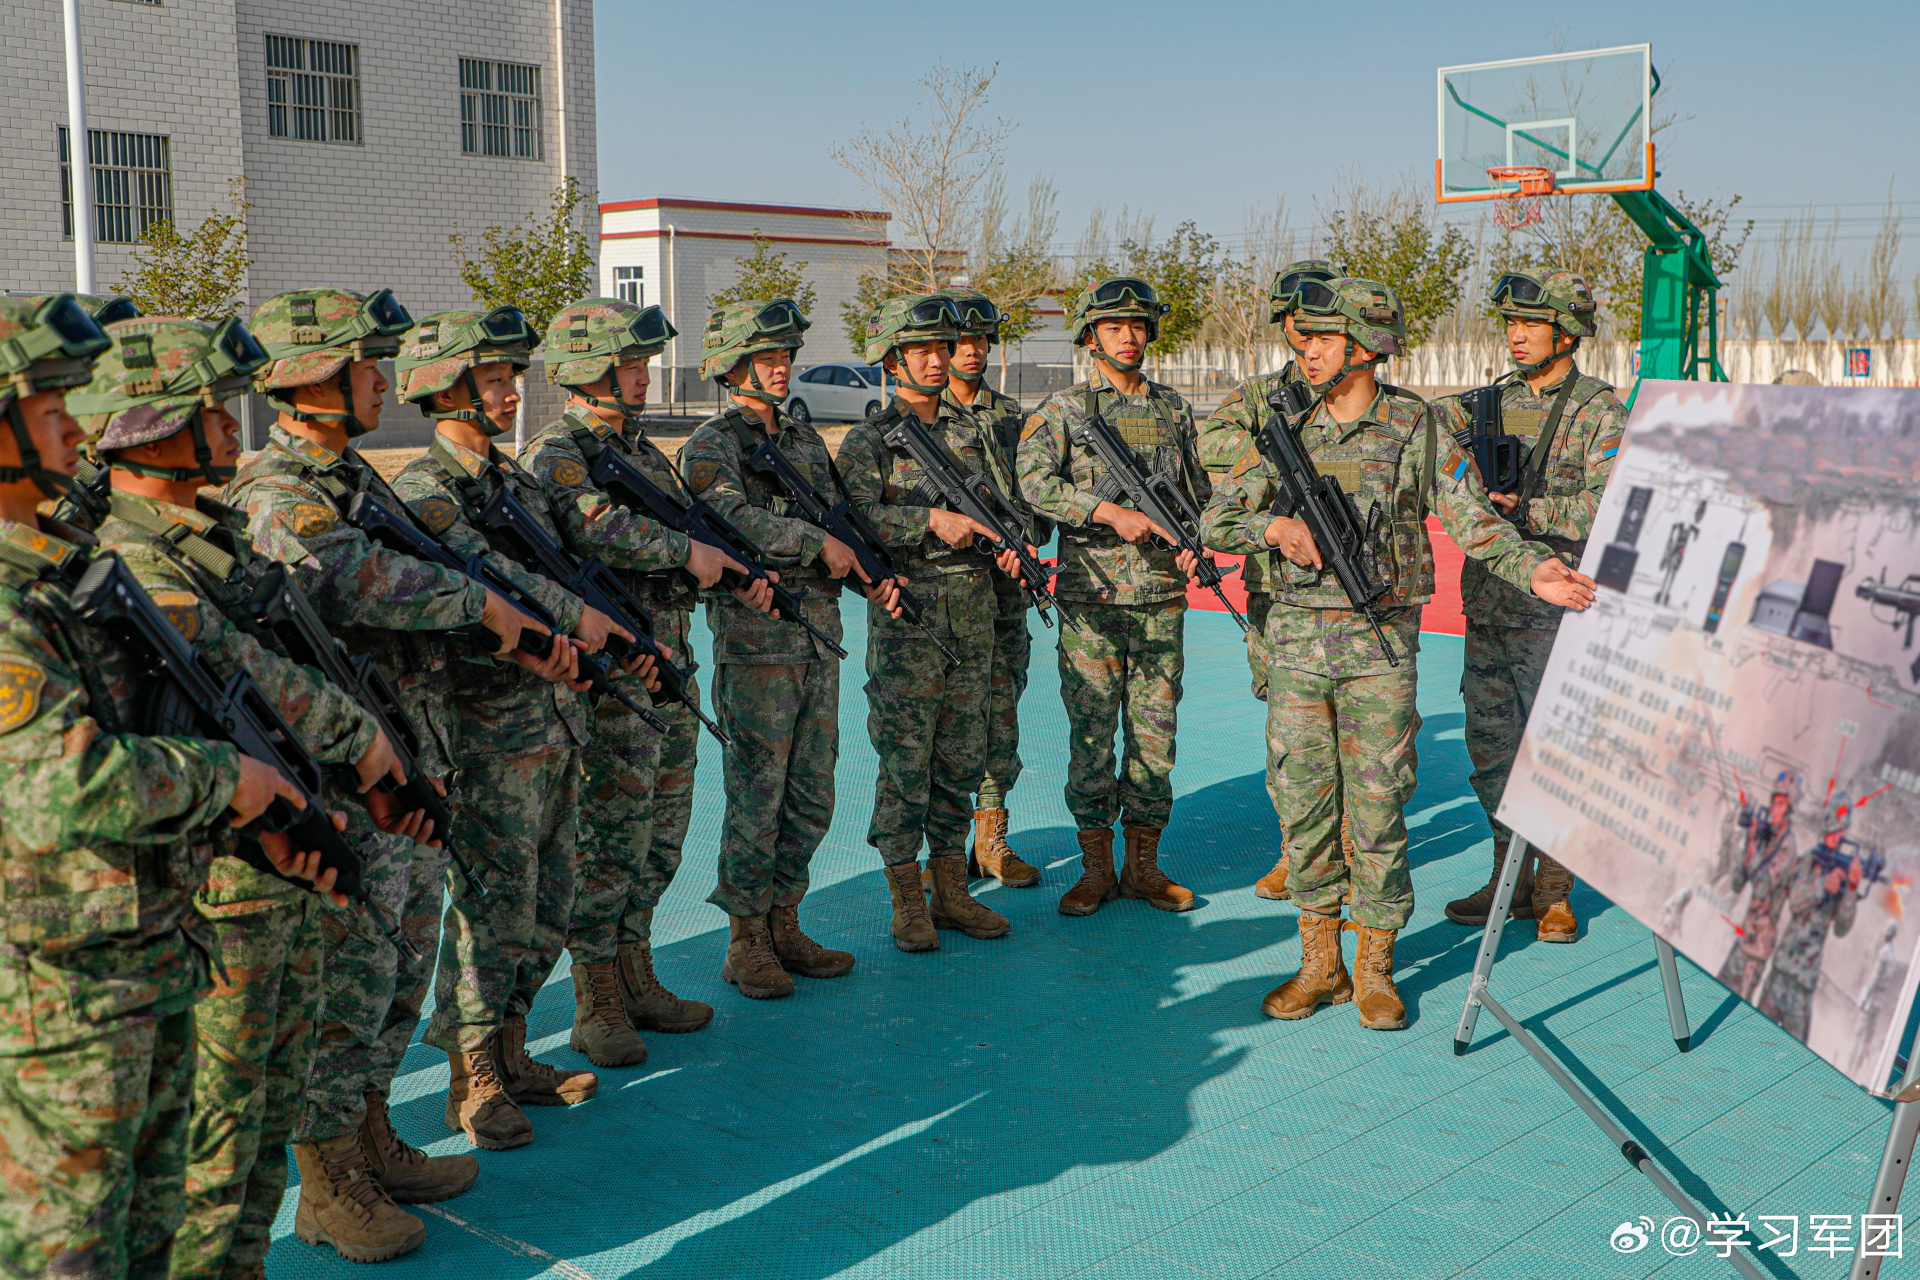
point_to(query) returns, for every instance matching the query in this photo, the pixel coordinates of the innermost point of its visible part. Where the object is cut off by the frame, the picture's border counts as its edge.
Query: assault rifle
(1873, 867)
(1500, 457)
(189, 699)
(89, 497)
(594, 583)
(629, 486)
(841, 521)
(1327, 509)
(1160, 498)
(976, 497)
(1903, 599)
(399, 533)
(279, 604)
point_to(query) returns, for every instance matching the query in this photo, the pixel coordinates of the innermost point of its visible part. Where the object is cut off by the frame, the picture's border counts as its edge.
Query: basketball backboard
(1586, 116)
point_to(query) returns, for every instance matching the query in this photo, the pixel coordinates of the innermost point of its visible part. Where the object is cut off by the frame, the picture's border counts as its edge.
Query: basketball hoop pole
(1679, 293)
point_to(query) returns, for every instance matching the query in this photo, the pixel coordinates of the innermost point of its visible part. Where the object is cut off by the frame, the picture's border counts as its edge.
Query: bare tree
(1237, 314)
(1882, 308)
(1794, 263)
(1830, 287)
(1012, 262)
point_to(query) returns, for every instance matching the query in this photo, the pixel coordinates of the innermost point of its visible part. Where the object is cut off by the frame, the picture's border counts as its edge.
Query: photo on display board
(1727, 744)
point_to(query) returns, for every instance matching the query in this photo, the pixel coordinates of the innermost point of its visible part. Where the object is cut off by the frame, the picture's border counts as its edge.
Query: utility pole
(79, 152)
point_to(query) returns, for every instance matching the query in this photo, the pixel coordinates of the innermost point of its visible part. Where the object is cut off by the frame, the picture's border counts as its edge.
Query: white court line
(559, 1266)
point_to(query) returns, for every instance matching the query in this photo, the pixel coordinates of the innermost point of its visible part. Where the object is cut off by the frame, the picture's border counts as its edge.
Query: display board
(1727, 744)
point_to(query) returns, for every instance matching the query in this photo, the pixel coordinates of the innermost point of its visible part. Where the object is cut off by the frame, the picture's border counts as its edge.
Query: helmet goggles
(978, 315)
(1118, 292)
(62, 329)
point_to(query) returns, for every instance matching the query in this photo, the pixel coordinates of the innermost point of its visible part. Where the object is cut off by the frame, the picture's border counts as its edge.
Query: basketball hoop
(1520, 206)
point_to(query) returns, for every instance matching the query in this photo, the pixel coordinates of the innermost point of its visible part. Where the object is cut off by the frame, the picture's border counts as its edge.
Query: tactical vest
(895, 465)
(1542, 427)
(672, 590)
(219, 570)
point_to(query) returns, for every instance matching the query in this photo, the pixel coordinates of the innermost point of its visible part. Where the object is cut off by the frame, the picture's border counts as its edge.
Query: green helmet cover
(1559, 298)
(588, 338)
(1284, 295)
(315, 334)
(48, 343)
(914, 317)
(740, 329)
(1365, 310)
(160, 374)
(444, 348)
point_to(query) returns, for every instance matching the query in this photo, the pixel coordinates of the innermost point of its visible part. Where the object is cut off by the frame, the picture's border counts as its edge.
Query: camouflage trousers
(1343, 750)
(255, 1044)
(928, 725)
(638, 803)
(1789, 1002)
(1123, 671)
(93, 1152)
(784, 720)
(516, 816)
(374, 992)
(1499, 681)
(1012, 664)
(1259, 605)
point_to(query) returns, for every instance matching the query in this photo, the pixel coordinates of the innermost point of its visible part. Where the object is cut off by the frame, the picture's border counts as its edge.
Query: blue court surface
(1102, 1097)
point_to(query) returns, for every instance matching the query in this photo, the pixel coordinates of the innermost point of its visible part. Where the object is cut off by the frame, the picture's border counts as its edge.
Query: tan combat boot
(912, 927)
(533, 1083)
(600, 1026)
(1273, 885)
(1554, 920)
(796, 952)
(1141, 876)
(477, 1101)
(1374, 995)
(1473, 909)
(410, 1175)
(342, 1205)
(650, 1006)
(1097, 884)
(993, 856)
(1323, 972)
(750, 964)
(954, 908)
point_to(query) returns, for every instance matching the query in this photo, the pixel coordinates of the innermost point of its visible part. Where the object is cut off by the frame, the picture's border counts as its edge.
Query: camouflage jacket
(1380, 457)
(592, 524)
(492, 708)
(956, 583)
(1065, 482)
(1577, 465)
(379, 602)
(1813, 913)
(103, 829)
(1241, 414)
(997, 419)
(199, 567)
(714, 463)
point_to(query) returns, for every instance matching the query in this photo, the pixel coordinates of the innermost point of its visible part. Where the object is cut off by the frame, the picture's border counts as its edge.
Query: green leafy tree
(201, 273)
(1392, 235)
(766, 274)
(539, 266)
(1183, 270)
(1013, 266)
(869, 291)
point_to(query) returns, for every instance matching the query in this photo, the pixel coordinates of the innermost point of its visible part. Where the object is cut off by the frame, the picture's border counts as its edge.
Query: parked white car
(835, 392)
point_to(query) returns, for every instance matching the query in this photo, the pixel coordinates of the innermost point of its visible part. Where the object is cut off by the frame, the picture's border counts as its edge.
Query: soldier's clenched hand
(505, 621)
(594, 627)
(1557, 583)
(954, 529)
(1294, 541)
(707, 562)
(378, 762)
(886, 594)
(1127, 522)
(841, 560)
(759, 595)
(260, 785)
(296, 865)
(387, 815)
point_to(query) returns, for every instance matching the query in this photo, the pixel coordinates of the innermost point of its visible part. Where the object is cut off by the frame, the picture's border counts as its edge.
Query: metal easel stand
(1478, 997)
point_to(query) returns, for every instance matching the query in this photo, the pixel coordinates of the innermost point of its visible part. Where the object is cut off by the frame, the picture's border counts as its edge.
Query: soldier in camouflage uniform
(326, 382)
(1766, 861)
(995, 419)
(1128, 590)
(514, 738)
(105, 833)
(1818, 902)
(153, 414)
(639, 783)
(927, 721)
(1572, 424)
(1242, 413)
(1341, 720)
(776, 689)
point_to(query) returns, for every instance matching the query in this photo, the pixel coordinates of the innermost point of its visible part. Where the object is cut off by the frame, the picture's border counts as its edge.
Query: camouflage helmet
(106, 308)
(979, 316)
(1559, 298)
(312, 333)
(160, 374)
(1119, 298)
(588, 338)
(46, 344)
(913, 317)
(1788, 784)
(739, 329)
(1365, 310)
(446, 347)
(1284, 295)
(1840, 816)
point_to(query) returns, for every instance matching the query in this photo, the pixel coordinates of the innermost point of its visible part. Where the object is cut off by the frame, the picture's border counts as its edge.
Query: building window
(132, 185)
(627, 286)
(313, 90)
(500, 109)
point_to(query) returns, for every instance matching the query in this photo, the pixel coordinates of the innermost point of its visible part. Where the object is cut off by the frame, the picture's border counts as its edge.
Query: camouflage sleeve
(1584, 466)
(70, 784)
(1450, 416)
(1042, 466)
(1202, 482)
(359, 582)
(1472, 522)
(434, 505)
(861, 461)
(1844, 914)
(621, 537)
(335, 728)
(1236, 519)
(713, 464)
(1223, 434)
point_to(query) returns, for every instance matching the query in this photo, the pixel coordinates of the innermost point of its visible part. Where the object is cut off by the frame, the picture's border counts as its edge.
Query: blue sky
(1198, 110)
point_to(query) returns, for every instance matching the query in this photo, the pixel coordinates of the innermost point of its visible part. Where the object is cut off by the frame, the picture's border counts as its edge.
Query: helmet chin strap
(971, 379)
(618, 403)
(1538, 365)
(1100, 352)
(1323, 389)
(899, 375)
(757, 391)
(349, 419)
(50, 483)
(482, 421)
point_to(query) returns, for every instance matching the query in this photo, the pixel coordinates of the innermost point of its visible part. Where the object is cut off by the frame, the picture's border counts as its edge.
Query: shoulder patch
(20, 683)
(183, 611)
(309, 519)
(1032, 427)
(569, 473)
(437, 514)
(1249, 459)
(701, 474)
